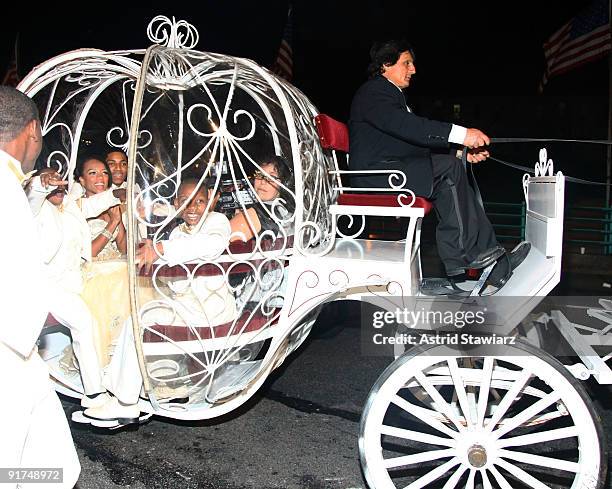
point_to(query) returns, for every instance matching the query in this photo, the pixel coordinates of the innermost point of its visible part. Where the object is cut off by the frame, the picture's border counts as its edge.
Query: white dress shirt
(457, 133)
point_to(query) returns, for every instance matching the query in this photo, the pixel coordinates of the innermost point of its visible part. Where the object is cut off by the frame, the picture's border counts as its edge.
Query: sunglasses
(258, 175)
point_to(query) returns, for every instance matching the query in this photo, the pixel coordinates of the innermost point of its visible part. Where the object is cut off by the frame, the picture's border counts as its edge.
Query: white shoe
(115, 410)
(94, 402)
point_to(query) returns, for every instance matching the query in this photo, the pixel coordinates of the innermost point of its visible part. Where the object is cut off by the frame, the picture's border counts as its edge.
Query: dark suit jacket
(383, 135)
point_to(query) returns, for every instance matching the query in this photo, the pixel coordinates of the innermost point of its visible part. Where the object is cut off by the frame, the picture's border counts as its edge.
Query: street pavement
(300, 431)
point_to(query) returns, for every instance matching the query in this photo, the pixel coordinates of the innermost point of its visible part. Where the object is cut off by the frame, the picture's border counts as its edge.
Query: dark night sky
(481, 54)
(464, 48)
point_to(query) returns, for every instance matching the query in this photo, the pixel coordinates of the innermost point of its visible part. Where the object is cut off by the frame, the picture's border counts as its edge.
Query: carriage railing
(352, 205)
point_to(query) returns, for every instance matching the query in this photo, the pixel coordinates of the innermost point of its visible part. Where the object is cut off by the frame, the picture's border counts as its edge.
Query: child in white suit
(66, 244)
(203, 300)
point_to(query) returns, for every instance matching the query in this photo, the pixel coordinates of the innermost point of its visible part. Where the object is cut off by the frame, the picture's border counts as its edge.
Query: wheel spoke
(460, 389)
(501, 480)
(417, 458)
(439, 401)
(548, 462)
(521, 475)
(470, 482)
(485, 386)
(423, 415)
(527, 414)
(417, 436)
(486, 483)
(508, 399)
(541, 437)
(451, 483)
(433, 475)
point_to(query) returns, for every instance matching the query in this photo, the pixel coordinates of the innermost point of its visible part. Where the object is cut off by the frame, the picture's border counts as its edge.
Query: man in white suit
(33, 427)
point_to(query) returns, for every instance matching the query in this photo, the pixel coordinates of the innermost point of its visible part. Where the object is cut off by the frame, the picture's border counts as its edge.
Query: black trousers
(463, 229)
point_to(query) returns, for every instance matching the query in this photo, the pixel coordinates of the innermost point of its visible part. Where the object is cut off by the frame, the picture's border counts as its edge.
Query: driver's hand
(477, 155)
(475, 138)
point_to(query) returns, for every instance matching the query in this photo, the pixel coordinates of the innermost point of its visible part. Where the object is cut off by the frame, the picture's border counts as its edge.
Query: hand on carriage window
(120, 193)
(475, 138)
(146, 254)
(52, 179)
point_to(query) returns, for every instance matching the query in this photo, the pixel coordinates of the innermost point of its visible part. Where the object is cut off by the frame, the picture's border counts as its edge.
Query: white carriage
(437, 415)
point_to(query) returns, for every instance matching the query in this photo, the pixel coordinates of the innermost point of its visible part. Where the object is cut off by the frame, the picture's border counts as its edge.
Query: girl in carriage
(271, 216)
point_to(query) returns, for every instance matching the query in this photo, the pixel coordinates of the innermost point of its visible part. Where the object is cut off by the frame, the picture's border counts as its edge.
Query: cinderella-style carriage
(441, 415)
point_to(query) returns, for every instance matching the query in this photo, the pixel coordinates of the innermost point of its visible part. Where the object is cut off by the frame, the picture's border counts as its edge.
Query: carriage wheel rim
(467, 447)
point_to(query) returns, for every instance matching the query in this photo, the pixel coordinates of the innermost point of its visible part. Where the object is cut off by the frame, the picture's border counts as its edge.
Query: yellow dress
(106, 292)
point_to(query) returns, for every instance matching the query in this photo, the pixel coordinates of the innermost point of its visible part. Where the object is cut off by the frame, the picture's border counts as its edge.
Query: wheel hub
(477, 456)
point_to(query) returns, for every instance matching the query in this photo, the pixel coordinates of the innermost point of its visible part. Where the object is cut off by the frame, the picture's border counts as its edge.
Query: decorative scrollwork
(407, 194)
(310, 240)
(338, 278)
(59, 162)
(172, 33)
(545, 166)
(351, 222)
(394, 176)
(526, 178)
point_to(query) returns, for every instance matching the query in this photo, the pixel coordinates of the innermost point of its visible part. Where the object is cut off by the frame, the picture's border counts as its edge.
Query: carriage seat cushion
(248, 322)
(381, 200)
(332, 133)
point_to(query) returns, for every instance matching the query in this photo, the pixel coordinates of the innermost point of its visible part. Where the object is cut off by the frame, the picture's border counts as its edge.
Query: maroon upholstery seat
(334, 135)
(383, 200)
(247, 323)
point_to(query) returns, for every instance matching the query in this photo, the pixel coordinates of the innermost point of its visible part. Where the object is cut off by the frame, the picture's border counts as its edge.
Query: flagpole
(609, 152)
(609, 147)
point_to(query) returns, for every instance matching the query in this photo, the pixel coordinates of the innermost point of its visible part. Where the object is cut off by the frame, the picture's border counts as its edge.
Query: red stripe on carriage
(186, 333)
(383, 200)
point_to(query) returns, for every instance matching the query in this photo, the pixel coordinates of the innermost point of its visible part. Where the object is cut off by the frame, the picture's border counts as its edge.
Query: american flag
(11, 77)
(585, 38)
(283, 65)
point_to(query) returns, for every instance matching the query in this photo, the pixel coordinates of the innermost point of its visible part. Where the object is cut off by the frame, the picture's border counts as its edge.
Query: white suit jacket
(76, 205)
(24, 302)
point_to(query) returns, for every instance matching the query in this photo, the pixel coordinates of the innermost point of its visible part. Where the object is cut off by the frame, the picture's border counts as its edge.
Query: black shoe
(502, 271)
(487, 257)
(519, 253)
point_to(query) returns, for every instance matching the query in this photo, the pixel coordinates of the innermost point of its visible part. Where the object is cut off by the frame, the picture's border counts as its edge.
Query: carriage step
(439, 286)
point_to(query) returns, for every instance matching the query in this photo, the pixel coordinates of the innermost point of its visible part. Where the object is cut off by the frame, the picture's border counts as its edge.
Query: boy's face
(193, 211)
(117, 162)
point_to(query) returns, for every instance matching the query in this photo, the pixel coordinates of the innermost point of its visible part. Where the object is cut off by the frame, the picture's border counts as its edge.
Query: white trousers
(38, 436)
(122, 376)
(71, 311)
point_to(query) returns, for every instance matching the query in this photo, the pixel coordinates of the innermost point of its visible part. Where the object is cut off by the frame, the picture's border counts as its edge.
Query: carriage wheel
(511, 421)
